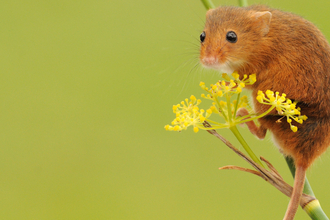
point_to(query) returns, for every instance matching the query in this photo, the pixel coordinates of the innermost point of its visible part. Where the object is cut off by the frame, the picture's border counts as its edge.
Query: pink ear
(263, 20)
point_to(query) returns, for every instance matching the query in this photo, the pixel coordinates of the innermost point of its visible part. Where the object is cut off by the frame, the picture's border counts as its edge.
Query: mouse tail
(296, 193)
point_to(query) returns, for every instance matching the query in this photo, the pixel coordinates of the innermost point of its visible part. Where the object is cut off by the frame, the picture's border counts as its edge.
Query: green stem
(229, 108)
(256, 117)
(243, 3)
(213, 126)
(245, 145)
(245, 117)
(220, 109)
(216, 123)
(236, 106)
(315, 211)
(208, 4)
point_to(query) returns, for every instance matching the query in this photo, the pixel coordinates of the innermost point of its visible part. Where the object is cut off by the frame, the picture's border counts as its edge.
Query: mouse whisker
(187, 78)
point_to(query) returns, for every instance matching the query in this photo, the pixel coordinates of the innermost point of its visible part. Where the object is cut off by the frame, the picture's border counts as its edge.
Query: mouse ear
(263, 19)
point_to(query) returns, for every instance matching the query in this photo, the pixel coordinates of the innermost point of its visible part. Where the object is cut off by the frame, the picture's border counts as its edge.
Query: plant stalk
(208, 4)
(245, 145)
(243, 3)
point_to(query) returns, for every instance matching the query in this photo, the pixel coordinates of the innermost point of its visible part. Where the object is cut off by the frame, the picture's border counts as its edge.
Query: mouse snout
(210, 60)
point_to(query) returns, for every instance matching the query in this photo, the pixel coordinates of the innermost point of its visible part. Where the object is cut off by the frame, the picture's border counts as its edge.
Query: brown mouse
(288, 54)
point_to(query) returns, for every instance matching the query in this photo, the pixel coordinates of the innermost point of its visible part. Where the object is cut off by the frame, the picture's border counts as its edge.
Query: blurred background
(86, 88)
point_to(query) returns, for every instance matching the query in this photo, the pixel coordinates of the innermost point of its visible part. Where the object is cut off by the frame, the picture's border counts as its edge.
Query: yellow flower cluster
(223, 106)
(283, 106)
(228, 85)
(188, 114)
(247, 80)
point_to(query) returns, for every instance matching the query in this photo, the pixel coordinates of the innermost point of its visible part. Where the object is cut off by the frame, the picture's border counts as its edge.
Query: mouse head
(231, 36)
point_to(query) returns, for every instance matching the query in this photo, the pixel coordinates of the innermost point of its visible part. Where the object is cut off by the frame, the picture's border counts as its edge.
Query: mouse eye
(231, 37)
(202, 37)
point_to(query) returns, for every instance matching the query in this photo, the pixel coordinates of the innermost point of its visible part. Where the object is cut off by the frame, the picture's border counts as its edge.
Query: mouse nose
(210, 60)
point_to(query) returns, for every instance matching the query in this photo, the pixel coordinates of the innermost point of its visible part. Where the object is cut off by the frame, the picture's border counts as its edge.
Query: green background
(86, 88)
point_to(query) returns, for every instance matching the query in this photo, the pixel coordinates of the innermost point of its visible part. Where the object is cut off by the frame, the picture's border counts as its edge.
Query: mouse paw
(260, 132)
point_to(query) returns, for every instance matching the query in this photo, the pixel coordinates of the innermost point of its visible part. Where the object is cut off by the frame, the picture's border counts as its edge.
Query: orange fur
(289, 55)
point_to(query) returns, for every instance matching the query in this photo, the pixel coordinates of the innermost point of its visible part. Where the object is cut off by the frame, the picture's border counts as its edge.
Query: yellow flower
(188, 114)
(283, 105)
(227, 86)
(246, 80)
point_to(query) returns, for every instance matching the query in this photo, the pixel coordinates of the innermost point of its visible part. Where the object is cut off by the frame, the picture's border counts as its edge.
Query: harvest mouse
(289, 55)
